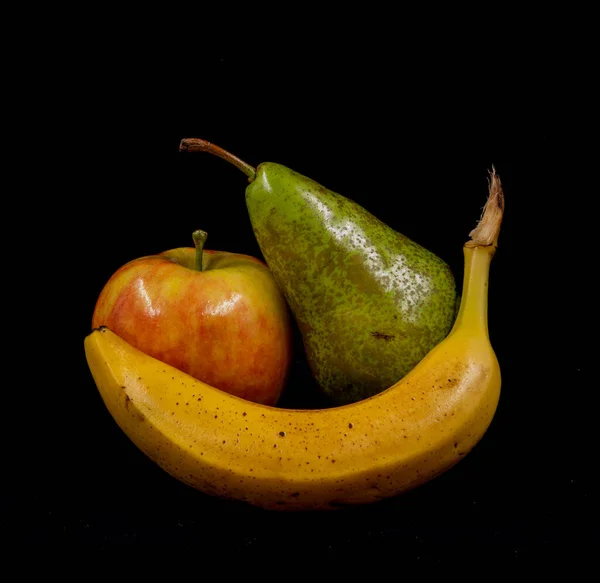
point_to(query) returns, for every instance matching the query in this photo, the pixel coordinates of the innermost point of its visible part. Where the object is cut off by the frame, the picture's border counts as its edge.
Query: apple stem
(199, 145)
(199, 238)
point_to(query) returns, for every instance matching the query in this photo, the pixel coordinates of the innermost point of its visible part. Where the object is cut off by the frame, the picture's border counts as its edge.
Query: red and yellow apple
(216, 315)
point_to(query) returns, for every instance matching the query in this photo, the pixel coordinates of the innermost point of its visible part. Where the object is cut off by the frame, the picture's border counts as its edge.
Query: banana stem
(199, 145)
(488, 228)
(478, 252)
(199, 238)
(473, 311)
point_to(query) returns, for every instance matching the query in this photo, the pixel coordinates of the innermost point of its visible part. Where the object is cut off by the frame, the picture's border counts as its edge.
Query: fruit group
(370, 303)
(214, 315)
(316, 459)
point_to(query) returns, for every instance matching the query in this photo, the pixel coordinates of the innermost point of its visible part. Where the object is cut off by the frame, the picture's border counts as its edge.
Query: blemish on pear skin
(382, 336)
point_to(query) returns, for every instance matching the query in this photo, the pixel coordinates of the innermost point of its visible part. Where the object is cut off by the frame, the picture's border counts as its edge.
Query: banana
(296, 459)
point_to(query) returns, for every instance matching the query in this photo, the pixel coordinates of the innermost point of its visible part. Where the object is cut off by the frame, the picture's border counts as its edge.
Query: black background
(411, 139)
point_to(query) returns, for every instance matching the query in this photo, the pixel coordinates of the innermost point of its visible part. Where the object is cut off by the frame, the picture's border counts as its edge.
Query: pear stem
(199, 145)
(199, 238)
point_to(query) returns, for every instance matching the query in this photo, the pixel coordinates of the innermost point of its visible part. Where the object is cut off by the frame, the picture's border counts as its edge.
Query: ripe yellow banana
(316, 459)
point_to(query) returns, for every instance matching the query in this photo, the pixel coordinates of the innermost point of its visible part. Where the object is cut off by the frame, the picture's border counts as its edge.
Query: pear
(369, 302)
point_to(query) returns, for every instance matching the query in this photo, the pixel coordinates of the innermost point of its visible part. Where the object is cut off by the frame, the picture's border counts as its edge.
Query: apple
(216, 315)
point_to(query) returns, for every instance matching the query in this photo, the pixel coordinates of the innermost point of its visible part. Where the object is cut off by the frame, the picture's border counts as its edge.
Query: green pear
(369, 302)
